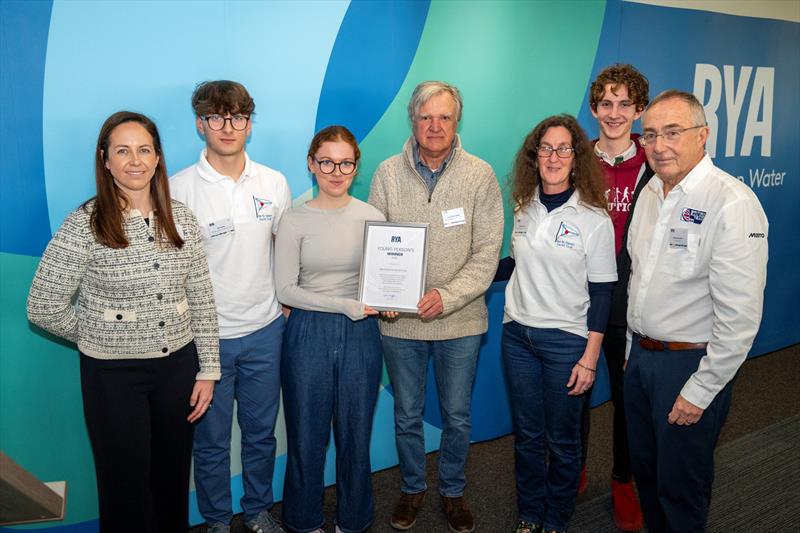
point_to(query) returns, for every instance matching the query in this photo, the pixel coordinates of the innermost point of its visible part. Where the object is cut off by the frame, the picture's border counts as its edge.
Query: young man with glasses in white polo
(238, 204)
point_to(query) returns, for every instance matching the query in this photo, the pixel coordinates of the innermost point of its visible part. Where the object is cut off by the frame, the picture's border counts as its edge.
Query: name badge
(220, 227)
(453, 217)
(678, 237)
(520, 227)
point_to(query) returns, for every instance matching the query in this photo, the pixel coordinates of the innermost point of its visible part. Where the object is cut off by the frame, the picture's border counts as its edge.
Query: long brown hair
(586, 176)
(106, 219)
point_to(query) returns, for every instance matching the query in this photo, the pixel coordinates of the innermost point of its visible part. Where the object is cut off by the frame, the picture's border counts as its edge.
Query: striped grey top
(144, 301)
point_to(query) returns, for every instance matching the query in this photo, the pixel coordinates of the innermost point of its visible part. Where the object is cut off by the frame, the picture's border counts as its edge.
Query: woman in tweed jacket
(145, 325)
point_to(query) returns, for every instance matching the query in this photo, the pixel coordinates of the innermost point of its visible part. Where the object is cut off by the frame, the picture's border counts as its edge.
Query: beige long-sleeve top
(318, 257)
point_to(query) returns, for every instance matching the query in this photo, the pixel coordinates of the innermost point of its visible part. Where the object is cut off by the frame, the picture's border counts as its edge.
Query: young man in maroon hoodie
(617, 98)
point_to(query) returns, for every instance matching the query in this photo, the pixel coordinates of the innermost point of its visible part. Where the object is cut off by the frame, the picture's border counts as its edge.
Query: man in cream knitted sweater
(435, 181)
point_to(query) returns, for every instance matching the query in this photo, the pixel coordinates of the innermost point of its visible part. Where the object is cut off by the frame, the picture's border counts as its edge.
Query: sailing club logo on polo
(694, 216)
(567, 235)
(263, 208)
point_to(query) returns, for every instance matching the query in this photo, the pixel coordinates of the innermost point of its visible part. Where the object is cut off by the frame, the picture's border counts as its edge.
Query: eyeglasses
(217, 122)
(564, 152)
(670, 135)
(326, 166)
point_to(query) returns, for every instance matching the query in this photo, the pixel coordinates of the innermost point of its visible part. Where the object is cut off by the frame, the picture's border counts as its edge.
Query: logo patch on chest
(263, 208)
(567, 235)
(695, 216)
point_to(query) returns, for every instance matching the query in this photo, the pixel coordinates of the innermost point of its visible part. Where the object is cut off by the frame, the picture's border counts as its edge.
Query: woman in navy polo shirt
(557, 304)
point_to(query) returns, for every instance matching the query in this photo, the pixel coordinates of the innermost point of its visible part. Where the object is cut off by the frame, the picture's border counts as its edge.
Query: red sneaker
(627, 512)
(583, 483)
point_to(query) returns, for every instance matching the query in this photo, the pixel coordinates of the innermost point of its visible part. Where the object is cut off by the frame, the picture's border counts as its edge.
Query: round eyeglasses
(326, 166)
(564, 152)
(217, 122)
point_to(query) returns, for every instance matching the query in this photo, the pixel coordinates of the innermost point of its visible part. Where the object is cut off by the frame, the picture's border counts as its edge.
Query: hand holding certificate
(393, 266)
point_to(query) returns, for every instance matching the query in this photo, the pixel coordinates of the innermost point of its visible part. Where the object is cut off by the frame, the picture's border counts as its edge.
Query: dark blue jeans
(454, 362)
(673, 465)
(538, 363)
(331, 371)
(250, 374)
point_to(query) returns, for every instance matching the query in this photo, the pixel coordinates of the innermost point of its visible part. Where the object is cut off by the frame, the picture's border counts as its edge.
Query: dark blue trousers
(330, 372)
(673, 465)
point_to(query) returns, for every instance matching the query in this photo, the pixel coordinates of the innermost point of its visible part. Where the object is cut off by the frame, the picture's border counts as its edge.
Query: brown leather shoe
(405, 512)
(459, 517)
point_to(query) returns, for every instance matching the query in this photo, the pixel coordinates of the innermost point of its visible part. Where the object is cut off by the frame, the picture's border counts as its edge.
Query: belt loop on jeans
(673, 346)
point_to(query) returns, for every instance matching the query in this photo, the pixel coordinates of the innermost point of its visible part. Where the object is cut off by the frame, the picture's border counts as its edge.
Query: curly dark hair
(621, 74)
(586, 176)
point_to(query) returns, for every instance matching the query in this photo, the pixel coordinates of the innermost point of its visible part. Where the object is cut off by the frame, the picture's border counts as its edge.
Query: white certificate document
(393, 266)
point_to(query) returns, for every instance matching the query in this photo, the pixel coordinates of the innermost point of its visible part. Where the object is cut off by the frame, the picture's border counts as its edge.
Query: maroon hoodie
(621, 183)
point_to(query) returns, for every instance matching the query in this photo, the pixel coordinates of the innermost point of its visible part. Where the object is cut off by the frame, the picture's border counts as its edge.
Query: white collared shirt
(699, 269)
(237, 220)
(611, 160)
(557, 254)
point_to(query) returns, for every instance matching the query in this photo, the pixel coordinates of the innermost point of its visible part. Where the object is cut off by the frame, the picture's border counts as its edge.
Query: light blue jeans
(251, 372)
(454, 362)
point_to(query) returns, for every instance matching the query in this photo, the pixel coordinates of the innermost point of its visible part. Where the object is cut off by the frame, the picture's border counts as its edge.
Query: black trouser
(136, 413)
(614, 349)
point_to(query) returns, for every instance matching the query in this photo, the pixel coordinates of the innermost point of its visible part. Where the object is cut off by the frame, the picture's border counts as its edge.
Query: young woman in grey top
(145, 325)
(332, 360)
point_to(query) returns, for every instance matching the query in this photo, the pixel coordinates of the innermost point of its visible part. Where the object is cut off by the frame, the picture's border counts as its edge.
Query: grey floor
(758, 466)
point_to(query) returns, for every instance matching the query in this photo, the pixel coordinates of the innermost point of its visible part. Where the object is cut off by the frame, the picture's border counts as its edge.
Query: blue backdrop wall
(65, 66)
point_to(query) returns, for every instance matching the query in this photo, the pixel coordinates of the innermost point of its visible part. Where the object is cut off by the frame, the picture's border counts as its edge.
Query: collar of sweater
(408, 153)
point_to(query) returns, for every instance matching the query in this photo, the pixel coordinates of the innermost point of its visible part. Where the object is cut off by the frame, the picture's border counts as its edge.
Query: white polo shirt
(699, 266)
(557, 254)
(238, 220)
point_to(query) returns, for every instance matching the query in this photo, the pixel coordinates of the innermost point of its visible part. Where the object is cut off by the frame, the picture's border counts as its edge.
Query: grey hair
(695, 107)
(427, 90)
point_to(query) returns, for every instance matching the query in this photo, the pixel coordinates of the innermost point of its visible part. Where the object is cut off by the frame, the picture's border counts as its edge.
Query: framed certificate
(393, 266)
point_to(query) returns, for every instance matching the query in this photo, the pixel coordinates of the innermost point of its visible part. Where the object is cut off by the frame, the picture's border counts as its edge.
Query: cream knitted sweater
(462, 259)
